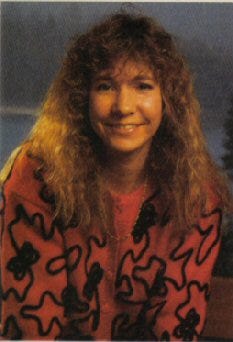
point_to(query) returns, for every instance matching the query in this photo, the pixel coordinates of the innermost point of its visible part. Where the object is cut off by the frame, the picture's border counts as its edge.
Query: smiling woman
(112, 208)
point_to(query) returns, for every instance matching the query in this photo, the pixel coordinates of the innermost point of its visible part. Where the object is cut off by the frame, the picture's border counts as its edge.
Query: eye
(145, 86)
(104, 86)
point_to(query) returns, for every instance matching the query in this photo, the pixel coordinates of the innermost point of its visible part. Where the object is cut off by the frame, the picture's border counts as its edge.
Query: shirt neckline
(129, 195)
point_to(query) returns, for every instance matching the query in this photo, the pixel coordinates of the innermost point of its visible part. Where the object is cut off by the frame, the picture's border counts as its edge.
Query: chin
(128, 146)
(126, 149)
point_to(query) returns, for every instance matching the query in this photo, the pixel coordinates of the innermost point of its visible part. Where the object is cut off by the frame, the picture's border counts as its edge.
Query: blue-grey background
(34, 36)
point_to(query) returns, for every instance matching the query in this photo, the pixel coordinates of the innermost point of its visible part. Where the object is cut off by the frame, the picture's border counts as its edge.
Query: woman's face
(125, 106)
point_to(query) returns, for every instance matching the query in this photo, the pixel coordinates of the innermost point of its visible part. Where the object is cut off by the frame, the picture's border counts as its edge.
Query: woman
(112, 207)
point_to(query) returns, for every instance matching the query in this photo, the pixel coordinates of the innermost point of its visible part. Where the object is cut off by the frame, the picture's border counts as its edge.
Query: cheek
(153, 102)
(97, 114)
(153, 110)
(99, 108)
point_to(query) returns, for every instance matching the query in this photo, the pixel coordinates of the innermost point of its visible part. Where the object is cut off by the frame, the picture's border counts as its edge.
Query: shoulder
(25, 180)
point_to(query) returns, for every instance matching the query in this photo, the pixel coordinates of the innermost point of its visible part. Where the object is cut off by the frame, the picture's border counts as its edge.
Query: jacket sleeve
(188, 278)
(33, 262)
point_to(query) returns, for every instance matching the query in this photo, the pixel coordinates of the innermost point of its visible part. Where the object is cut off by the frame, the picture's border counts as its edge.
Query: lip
(124, 124)
(123, 129)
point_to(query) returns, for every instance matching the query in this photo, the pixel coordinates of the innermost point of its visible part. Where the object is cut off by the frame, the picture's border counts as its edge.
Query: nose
(124, 103)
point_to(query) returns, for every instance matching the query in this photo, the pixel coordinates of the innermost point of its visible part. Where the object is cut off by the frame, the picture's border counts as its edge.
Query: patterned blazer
(59, 282)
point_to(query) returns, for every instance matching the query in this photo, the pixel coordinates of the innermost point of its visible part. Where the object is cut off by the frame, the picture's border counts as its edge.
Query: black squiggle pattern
(148, 217)
(194, 283)
(94, 278)
(26, 309)
(153, 196)
(175, 256)
(71, 301)
(53, 266)
(98, 243)
(207, 235)
(186, 330)
(93, 314)
(26, 257)
(165, 218)
(35, 220)
(19, 298)
(158, 286)
(165, 336)
(139, 330)
(11, 325)
(19, 265)
(38, 174)
(45, 194)
(72, 332)
(48, 197)
(187, 327)
(124, 278)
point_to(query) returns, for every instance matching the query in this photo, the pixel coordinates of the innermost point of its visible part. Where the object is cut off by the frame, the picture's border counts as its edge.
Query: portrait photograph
(116, 171)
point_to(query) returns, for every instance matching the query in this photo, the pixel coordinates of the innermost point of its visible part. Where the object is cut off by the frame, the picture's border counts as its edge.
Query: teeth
(127, 126)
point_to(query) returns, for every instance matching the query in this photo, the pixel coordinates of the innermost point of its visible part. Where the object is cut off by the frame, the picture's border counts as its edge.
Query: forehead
(127, 68)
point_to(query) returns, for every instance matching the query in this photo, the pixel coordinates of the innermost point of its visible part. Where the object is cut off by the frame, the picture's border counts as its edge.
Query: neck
(124, 173)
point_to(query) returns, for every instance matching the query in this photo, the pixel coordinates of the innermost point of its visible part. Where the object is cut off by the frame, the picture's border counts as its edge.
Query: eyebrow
(143, 77)
(103, 78)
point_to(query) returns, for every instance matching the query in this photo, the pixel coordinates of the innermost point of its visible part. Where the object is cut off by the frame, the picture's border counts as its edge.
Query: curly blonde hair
(65, 142)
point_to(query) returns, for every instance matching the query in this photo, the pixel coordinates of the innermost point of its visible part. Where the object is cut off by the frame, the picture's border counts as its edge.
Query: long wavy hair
(67, 147)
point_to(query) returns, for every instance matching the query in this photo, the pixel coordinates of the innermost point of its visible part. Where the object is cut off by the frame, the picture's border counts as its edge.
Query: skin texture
(126, 108)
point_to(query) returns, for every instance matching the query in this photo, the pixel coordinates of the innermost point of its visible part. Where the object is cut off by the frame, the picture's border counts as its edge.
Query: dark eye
(145, 86)
(104, 86)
